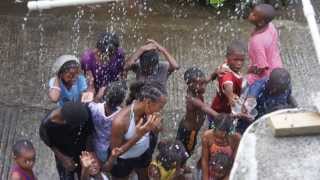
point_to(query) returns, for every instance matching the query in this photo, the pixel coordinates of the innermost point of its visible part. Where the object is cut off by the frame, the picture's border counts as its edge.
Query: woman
(68, 84)
(149, 98)
(104, 64)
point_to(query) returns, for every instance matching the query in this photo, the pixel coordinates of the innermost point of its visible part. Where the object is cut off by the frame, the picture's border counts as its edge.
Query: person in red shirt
(230, 81)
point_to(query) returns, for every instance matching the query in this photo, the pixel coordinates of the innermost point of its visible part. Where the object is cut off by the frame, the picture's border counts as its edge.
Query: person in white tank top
(133, 127)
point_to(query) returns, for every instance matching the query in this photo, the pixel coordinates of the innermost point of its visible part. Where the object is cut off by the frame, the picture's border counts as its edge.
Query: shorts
(123, 167)
(188, 138)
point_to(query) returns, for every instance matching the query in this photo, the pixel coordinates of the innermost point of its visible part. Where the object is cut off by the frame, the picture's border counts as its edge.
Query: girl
(149, 98)
(102, 116)
(104, 64)
(218, 140)
(68, 84)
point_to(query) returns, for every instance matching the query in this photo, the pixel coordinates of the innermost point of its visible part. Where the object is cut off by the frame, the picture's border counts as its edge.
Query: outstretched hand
(86, 159)
(149, 47)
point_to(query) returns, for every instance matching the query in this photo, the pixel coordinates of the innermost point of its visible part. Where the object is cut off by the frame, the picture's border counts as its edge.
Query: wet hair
(141, 90)
(236, 46)
(22, 145)
(224, 122)
(108, 42)
(193, 73)
(74, 113)
(171, 152)
(267, 10)
(279, 79)
(67, 66)
(149, 59)
(115, 94)
(223, 160)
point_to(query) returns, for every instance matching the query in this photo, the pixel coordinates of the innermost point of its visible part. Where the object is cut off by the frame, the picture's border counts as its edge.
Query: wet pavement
(195, 35)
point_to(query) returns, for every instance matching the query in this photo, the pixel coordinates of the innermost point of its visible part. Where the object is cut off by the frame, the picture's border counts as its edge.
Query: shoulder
(87, 54)
(120, 52)
(15, 175)
(121, 118)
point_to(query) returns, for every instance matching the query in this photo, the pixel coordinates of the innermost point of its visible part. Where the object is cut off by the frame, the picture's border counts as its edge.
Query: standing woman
(104, 64)
(68, 84)
(148, 98)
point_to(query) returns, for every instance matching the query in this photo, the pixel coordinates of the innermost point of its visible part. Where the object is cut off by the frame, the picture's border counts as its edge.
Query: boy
(66, 131)
(264, 53)
(272, 93)
(196, 109)
(230, 82)
(148, 67)
(24, 156)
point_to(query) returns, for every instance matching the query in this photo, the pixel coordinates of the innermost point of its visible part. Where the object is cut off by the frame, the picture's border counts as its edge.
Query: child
(196, 109)
(218, 140)
(148, 67)
(68, 84)
(102, 116)
(169, 161)
(104, 64)
(91, 169)
(230, 82)
(264, 53)
(272, 93)
(24, 156)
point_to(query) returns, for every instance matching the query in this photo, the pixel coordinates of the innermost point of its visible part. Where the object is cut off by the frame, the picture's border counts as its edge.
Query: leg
(142, 173)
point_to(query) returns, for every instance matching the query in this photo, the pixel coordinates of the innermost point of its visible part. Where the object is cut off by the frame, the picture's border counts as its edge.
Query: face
(157, 106)
(256, 17)
(235, 61)
(70, 77)
(198, 85)
(26, 159)
(94, 169)
(219, 170)
(105, 56)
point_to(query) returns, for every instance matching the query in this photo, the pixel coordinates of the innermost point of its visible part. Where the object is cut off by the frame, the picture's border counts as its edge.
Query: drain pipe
(310, 16)
(49, 4)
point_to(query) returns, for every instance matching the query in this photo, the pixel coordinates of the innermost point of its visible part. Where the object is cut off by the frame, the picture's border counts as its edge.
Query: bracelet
(56, 87)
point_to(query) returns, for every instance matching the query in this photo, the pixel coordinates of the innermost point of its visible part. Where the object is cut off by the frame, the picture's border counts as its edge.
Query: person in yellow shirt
(168, 164)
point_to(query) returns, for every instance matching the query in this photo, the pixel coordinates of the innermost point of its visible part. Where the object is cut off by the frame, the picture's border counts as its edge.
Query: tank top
(25, 175)
(141, 146)
(214, 149)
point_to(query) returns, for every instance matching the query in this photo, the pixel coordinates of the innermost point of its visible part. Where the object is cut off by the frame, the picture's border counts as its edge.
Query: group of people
(102, 129)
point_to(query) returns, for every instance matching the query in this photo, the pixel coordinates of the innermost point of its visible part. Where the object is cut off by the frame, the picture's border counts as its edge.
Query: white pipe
(310, 16)
(49, 4)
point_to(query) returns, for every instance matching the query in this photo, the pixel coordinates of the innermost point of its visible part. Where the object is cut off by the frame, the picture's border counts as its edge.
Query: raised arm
(173, 65)
(135, 56)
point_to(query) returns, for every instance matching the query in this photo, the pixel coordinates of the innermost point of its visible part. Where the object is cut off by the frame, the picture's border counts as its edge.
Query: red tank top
(214, 149)
(25, 175)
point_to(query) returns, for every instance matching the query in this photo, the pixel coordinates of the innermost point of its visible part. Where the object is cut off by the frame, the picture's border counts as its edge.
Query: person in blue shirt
(273, 93)
(68, 84)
